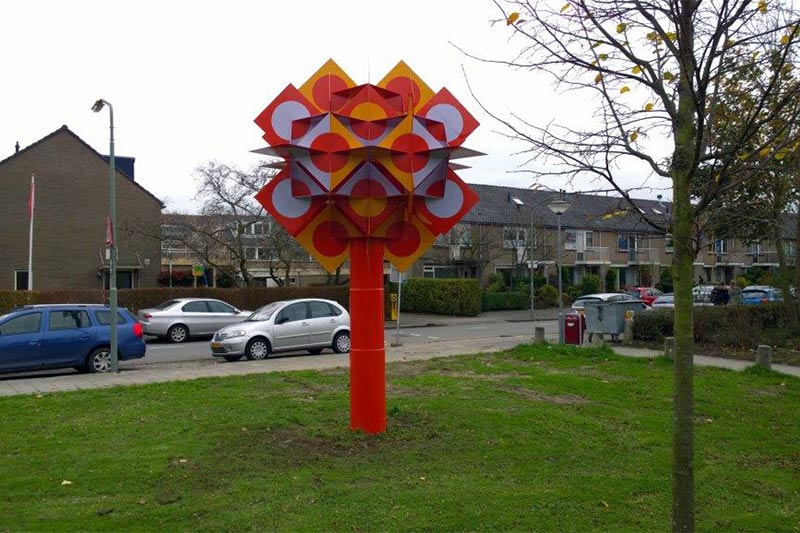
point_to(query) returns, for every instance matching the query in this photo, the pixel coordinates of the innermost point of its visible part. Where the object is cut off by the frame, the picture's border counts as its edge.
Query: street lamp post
(559, 207)
(112, 246)
(518, 202)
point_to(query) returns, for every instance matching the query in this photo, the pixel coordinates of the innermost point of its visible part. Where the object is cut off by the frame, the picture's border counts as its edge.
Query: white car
(177, 320)
(304, 324)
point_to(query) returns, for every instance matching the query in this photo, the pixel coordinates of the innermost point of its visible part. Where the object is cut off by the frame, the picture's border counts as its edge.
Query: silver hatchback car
(177, 320)
(305, 324)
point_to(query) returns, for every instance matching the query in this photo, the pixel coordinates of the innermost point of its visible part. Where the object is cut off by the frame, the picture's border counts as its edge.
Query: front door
(21, 341)
(292, 327)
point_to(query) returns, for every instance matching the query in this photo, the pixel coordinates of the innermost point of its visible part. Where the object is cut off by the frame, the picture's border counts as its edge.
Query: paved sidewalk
(415, 320)
(158, 373)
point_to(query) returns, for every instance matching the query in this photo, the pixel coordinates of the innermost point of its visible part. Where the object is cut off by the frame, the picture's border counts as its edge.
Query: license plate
(216, 345)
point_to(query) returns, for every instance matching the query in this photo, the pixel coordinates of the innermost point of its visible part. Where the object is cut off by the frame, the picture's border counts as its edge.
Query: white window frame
(570, 239)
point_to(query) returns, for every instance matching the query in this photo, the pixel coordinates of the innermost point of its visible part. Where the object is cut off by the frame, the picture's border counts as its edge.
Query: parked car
(580, 303)
(667, 301)
(761, 294)
(645, 294)
(36, 337)
(701, 294)
(179, 319)
(304, 324)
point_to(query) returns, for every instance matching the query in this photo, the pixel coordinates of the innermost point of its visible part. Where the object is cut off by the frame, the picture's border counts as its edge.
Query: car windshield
(582, 301)
(754, 293)
(166, 305)
(263, 313)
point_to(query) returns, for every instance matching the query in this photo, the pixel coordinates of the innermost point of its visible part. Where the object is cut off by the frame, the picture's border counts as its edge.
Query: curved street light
(559, 207)
(112, 240)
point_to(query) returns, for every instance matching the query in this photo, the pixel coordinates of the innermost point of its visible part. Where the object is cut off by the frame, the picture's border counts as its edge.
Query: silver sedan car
(305, 324)
(177, 320)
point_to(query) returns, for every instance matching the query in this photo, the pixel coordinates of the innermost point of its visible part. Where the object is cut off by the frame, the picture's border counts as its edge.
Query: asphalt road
(162, 352)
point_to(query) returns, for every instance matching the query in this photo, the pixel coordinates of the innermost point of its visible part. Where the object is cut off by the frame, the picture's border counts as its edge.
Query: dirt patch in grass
(537, 396)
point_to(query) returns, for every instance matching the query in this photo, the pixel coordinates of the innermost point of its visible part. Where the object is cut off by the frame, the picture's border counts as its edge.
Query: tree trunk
(685, 134)
(783, 276)
(797, 247)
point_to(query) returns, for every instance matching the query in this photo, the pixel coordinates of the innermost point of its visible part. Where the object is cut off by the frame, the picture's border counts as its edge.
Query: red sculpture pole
(367, 351)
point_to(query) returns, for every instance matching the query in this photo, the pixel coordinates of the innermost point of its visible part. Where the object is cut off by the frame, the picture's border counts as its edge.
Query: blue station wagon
(37, 337)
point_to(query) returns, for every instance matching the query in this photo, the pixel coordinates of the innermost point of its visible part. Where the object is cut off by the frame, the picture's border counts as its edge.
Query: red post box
(574, 326)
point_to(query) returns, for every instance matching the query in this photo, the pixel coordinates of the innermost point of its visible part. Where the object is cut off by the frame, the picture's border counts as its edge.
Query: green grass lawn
(536, 438)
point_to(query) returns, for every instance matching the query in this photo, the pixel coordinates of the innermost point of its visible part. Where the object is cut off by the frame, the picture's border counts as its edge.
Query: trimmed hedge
(501, 301)
(453, 297)
(249, 298)
(729, 325)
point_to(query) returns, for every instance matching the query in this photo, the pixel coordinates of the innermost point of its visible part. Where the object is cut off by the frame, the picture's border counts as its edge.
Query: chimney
(16, 148)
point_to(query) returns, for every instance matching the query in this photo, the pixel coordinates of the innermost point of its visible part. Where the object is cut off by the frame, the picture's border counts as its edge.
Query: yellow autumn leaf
(603, 57)
(637, 69)
(597, 43)
(669, 76)
(781, 154)
(624, 90)
(512, 18)
(648, 107)
(634, 136)
(671, 35)
(565, 7)
(621, 27)
(762, 6)
(764, 152)
(785, 39)
(717, 177)
(755, 54)
(594, 63)
(598, 78)
(652, 36)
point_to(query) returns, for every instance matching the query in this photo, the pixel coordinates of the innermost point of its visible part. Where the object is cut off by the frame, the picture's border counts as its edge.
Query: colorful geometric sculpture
(366, 172)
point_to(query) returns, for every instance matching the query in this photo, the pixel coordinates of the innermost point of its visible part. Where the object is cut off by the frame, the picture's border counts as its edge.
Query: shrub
(590, 284)
(665, 283)
(135, 299)
(501, 301)
(653, 325)
(497, 283)
(546, 296)
(611, 279)
(442, 296)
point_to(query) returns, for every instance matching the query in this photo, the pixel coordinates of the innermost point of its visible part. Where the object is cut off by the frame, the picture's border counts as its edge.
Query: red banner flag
(31, 197)
(109, 233)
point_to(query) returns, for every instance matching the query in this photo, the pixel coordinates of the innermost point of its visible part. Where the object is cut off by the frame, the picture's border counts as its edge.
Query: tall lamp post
(518, 202)
(112, 246)
(559, 207)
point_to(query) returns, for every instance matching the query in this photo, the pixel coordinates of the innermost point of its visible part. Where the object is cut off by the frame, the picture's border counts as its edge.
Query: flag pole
(31, 207)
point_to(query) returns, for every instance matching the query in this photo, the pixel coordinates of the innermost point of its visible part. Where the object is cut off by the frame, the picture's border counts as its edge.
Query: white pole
(30, 233)
(399, 293)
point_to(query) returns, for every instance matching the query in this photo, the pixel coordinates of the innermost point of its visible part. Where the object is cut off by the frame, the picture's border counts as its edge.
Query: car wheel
(315, 351)
(232, 358)
(341, 342)
(99, 360)
(178, 333)
(257, 349)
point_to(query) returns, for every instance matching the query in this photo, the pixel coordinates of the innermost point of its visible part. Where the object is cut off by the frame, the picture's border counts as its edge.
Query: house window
(753, 248)
(21, 280)
(570, 240)
(258, 228)
(669, 246)
(622, 243)
(720, 246)
(589, 236)
(439, 272)
(514, 237)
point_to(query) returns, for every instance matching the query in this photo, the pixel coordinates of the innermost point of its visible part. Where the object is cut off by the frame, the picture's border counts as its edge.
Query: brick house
(599, 233)
(72, 202)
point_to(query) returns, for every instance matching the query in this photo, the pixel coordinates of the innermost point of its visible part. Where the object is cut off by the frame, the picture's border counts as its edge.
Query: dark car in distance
(37, 337)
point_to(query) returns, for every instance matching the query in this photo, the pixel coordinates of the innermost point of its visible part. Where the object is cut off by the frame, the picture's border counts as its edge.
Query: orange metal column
(367, 351)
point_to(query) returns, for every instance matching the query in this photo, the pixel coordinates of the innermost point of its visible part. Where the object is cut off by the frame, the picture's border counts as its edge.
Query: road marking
(479, 327)
(432, 337)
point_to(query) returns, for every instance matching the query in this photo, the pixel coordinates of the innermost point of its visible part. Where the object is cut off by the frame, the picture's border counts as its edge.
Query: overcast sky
(186, 79)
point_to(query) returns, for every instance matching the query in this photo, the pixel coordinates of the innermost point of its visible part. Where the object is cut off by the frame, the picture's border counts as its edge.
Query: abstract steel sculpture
(366, 173)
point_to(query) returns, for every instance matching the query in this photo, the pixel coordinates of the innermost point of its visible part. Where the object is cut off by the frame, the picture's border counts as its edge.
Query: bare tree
(655, 68)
